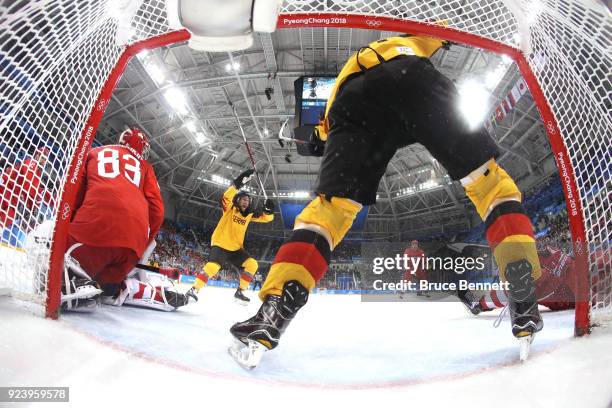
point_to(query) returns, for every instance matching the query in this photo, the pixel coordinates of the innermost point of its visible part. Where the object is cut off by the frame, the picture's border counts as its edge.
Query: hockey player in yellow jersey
(387, 96)
(227, 241)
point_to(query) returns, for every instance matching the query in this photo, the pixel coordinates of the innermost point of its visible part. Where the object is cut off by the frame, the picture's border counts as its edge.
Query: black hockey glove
(316, 146)
(243, 178)
(268, 207)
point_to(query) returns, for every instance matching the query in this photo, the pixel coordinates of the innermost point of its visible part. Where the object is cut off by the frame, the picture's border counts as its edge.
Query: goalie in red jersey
(554, 289)
(118, 212)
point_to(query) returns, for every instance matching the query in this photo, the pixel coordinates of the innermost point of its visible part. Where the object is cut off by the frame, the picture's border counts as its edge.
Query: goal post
(63, 58)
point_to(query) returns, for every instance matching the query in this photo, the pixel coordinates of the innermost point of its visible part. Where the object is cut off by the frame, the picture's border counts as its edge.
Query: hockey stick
(147, 268)
(248, 148)
(287, 139)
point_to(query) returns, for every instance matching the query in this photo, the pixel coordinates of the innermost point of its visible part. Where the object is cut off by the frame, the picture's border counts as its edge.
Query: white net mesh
(572, 61)
(56, 55)
(54, 59)
(571, 58)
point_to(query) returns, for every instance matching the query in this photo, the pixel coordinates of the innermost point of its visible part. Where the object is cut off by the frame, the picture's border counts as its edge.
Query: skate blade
(241, 302)
(247, 356)
(525, 346)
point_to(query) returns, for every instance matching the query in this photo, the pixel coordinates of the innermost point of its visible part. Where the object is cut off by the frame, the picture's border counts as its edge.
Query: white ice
(338, 350)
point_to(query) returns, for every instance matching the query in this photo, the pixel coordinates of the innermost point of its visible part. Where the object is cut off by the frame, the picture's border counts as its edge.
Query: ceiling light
(232, 67)
(200, 137)
(156, 73)
(191, 126)
(177, 100)
(220, 180)
(473, 102)
(300, 194)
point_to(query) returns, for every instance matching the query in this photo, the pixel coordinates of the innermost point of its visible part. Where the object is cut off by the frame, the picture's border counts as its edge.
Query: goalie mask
(222, 25)
(137, 140)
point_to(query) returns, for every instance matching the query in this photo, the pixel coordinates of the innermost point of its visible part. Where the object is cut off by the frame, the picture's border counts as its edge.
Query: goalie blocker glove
(243, 178)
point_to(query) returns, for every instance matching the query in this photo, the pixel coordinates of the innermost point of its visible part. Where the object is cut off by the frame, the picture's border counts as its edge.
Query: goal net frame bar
(339, 20)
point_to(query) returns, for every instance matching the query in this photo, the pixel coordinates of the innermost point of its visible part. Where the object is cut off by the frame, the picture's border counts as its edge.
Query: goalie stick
(147, 267)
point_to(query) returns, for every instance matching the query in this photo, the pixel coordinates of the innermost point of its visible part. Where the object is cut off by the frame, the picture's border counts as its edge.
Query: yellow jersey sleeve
(263, 218)
(228, 196)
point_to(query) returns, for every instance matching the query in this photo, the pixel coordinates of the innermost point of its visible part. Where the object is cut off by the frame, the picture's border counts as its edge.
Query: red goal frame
(309, 20)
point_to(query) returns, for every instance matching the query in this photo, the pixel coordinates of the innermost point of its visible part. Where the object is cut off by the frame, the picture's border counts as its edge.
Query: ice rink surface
(338, 350)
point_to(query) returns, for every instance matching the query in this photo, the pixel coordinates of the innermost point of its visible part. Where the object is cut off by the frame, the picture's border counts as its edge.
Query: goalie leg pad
(78, 290)
(136, 293)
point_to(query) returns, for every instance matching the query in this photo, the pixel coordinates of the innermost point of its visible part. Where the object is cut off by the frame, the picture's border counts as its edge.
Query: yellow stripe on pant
(209, 270)
(336, 216)
(283, 272)
(509, 230)
(250, 268)
(490, 188)
(304, 257)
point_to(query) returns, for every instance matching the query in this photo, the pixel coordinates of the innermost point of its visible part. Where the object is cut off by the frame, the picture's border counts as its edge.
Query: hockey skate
(523, 305)
(262, 332)
(192, 293)
(78, 290)
(176, 299)
(240, 298)
(470, 301)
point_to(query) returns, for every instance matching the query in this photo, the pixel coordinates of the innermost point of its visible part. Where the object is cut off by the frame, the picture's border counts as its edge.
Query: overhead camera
(269, 91)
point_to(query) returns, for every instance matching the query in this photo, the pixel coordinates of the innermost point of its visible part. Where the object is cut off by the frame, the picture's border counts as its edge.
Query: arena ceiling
(181, 99)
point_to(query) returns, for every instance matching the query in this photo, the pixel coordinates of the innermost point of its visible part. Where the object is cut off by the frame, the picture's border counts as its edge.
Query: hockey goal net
(61, 59)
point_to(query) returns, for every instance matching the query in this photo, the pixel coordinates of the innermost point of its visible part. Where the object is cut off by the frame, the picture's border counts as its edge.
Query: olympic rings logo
(102, 104)
(551, 127)
(579, 247)
(373, 23)
(65, 211)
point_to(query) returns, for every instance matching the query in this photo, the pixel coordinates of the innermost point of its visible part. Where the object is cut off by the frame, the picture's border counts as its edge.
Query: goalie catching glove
(243, 178)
